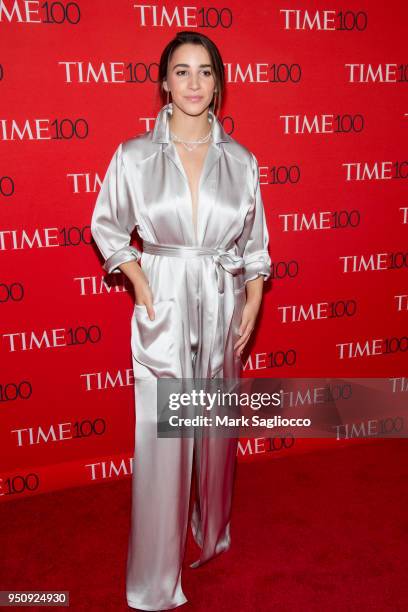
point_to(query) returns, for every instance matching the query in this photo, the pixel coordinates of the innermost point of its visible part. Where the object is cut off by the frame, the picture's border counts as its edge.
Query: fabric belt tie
(228, 260)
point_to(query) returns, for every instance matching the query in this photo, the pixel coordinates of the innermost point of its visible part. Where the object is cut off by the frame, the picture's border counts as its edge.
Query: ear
(165, 86)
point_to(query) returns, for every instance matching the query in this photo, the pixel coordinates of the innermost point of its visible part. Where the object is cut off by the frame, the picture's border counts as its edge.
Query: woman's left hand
(249, 314)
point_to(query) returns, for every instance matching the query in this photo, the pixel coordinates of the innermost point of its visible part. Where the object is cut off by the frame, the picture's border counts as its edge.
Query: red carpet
(322, 531)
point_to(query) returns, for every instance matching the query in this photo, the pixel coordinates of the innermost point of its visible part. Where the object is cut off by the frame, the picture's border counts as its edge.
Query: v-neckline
(194, 227)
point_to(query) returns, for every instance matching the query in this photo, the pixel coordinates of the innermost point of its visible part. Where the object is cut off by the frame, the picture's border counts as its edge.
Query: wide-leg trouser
(161, 482)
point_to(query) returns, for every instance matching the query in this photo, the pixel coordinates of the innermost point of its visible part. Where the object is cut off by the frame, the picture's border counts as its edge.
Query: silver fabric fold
(197, 276)
(127, 253)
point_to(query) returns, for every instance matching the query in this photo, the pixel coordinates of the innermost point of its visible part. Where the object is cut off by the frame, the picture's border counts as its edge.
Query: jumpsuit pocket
(156, 344)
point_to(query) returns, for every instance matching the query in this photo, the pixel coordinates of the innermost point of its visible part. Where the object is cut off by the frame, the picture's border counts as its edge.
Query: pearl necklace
(190, 145)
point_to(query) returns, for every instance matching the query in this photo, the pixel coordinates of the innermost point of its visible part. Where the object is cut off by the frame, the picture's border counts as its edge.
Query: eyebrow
(188, 66)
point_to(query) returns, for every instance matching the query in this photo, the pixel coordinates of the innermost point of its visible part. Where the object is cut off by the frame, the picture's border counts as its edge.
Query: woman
(193, 194)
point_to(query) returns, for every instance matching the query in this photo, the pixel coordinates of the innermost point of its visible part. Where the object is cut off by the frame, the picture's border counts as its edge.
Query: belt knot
(231, 262)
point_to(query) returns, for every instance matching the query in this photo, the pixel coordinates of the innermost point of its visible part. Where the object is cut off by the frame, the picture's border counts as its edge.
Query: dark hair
(195, 38)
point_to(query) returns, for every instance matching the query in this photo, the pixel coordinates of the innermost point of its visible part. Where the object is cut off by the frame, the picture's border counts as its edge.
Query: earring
(168, 97)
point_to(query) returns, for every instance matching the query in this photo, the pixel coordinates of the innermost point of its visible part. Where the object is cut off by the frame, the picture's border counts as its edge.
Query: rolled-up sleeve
(113, 218)
(254, 239)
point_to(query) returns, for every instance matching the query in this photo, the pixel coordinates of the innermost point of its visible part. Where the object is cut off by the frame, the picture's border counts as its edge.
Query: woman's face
(190, 78)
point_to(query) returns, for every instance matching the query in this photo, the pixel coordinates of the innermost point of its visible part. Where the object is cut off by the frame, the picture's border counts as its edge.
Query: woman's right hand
(144, 296)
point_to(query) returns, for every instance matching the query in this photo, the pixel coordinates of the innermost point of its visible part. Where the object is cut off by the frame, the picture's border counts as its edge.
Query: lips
(194, 98)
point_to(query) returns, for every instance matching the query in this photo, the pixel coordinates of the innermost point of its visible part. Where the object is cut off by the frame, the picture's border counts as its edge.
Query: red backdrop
(318, 94)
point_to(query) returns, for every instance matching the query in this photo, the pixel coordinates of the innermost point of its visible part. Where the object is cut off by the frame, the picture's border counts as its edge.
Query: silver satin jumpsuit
(198, 287)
